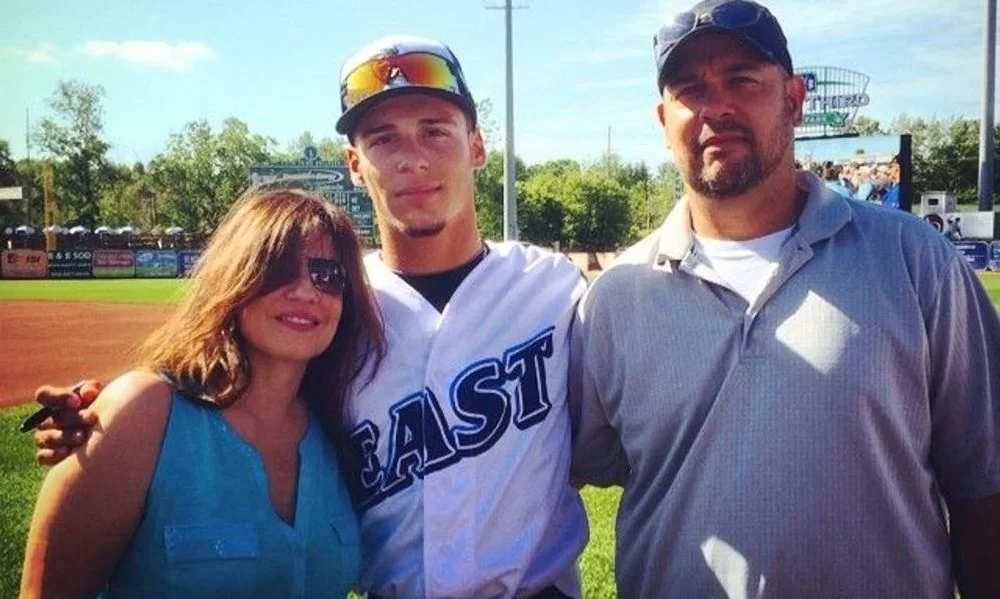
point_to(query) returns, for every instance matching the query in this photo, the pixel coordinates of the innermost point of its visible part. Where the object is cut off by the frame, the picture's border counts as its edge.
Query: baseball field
(58, 331)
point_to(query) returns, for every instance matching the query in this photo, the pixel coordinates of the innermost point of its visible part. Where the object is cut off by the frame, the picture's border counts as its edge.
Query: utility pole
(986, 128)
(509, 164)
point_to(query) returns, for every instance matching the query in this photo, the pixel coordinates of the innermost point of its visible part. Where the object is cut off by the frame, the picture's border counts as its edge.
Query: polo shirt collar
(825, 212)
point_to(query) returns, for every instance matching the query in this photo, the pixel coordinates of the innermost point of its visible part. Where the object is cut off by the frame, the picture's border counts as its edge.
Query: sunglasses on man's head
(327, 276)
(414, 69)
(730, 15)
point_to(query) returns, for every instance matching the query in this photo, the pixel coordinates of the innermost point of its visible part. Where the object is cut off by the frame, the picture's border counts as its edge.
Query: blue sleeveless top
(209, 528)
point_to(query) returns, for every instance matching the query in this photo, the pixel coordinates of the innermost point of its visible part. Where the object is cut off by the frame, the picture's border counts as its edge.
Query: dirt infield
(61, 342)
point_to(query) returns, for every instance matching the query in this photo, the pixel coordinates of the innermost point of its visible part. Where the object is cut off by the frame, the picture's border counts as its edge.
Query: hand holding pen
(63, 422)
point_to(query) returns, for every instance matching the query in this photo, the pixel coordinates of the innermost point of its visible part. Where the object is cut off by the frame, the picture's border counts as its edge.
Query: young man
(461, 442)
(459, 445)
(785, 382)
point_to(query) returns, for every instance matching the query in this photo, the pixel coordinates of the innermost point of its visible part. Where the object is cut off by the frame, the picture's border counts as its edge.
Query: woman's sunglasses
(327, 276)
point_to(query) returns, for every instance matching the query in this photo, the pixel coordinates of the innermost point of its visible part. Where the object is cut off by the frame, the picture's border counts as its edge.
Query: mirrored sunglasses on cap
(421, 69)
(728, 15)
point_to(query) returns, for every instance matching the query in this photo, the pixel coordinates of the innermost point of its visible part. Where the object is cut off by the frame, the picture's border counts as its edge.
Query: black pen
(32, 422)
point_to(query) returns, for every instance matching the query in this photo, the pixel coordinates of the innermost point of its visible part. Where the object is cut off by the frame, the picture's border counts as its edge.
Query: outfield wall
(97, 264)
(167, 264)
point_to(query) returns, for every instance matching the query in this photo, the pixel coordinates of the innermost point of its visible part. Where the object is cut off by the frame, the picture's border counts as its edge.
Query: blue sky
(580, 65)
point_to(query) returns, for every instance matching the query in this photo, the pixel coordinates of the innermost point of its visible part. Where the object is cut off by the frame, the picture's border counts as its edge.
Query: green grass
(992, 283)
(139, 291)
(21, 478)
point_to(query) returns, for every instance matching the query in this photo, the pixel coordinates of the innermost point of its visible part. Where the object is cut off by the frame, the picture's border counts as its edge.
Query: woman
(207, 474)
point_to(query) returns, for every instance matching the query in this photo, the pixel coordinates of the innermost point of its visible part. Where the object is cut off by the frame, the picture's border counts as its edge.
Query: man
(459, 445)
(831, 178)
(785, 382)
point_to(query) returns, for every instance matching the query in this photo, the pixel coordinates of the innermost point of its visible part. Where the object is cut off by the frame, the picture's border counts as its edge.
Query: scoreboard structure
(331, 180)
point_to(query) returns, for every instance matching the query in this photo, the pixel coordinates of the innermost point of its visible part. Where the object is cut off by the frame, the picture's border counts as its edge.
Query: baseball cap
(751, 22)
(396, 65)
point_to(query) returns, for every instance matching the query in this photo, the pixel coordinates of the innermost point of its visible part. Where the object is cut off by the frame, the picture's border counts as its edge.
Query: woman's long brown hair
(256, 249)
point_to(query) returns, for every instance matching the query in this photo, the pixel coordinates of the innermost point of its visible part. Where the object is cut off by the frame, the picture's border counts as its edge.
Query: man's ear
(660, 117)
(478, 148)
(353, 160)
(795, 94)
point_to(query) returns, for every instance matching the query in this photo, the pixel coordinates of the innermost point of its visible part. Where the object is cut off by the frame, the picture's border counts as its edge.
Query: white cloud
(42, 53)
(178, 57)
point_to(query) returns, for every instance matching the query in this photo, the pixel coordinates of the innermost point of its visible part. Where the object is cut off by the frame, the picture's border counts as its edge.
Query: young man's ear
(353, 161)
(478, 149)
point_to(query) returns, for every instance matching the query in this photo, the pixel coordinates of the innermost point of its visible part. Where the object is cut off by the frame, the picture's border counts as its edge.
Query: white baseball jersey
(461, 443)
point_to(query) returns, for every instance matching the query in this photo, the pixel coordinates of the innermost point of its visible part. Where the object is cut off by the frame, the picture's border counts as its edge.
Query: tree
(945, 155)
(867, 126)
(201, 173)
(72, 135)
(489, 193)
(130, 200)
(583, 209)
(329, 149)
(11, 212)
(487, 124)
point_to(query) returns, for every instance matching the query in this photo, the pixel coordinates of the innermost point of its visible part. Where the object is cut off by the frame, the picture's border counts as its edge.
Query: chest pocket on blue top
(208, 557)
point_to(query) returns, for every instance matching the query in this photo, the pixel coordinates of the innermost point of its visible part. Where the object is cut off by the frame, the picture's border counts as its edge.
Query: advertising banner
(975, 252)
(995, 256)
(73, 264)
(186, 259)
(155, 264)
(24, 264)
(114, 264)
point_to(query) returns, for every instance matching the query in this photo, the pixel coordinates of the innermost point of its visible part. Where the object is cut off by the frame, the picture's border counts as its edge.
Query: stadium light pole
(986, 128)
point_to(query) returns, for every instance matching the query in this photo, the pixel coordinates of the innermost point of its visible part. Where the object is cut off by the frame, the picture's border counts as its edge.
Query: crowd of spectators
(863, 180)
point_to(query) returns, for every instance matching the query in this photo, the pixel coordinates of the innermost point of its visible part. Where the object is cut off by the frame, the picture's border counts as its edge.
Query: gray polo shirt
(801, 446)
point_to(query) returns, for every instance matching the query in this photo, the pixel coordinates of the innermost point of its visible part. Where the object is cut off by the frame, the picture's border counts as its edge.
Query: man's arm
(70, 423)
(975, 546)
(964, 335)
(598, 455)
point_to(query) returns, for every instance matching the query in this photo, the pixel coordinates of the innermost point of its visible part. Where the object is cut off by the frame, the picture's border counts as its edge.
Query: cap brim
(349, 120)
(669, 59)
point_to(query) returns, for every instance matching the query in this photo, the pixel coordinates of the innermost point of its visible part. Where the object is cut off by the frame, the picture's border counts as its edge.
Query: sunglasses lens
(683, 24)
(416, 69)
(735, 14)
(328, 276)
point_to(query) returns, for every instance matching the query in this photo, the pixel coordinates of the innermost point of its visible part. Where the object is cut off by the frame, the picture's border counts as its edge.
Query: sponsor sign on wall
(72, 264)
(155, 263)
(114, 264)
(186, 261)
(24, 264)
(995, 256)
(975, 252)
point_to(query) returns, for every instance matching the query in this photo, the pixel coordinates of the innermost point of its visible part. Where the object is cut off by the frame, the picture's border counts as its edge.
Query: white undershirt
(745, 266)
